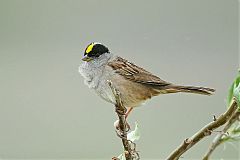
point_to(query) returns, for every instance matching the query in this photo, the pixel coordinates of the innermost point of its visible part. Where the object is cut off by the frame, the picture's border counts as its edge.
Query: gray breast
(96, 78)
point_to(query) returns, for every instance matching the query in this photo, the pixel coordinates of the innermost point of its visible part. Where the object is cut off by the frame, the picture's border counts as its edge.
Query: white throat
(92, 71)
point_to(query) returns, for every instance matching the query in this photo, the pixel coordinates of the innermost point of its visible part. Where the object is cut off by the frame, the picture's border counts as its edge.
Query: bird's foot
(118, 127)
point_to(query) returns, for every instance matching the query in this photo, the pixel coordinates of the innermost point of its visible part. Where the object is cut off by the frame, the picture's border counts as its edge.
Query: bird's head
(93, 51)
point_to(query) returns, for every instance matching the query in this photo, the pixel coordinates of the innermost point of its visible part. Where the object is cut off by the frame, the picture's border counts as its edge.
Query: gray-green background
(47, 112)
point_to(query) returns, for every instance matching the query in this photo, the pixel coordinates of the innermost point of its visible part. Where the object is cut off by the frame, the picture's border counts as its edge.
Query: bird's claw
(118, 128)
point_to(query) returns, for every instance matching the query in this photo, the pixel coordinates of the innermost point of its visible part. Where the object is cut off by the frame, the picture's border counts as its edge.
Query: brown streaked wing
(134, 73)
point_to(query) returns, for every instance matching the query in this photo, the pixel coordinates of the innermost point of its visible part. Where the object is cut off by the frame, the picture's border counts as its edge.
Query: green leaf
(121, 157)
(234, 90)
(230, 94)
(135, 134)
(236, 129)
(236, 93)
(233, 133)
(132, 136)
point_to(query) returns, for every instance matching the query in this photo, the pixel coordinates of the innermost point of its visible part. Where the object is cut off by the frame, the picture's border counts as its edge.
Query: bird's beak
(87, 59)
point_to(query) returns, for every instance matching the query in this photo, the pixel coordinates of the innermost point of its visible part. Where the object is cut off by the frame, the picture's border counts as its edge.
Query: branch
(130, 153)
(205, 131)
(217, 140)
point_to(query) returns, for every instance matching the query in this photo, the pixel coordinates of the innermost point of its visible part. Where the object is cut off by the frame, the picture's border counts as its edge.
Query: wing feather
(134, 73)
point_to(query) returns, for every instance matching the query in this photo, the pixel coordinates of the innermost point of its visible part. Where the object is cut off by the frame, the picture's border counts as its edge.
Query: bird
(135, 84)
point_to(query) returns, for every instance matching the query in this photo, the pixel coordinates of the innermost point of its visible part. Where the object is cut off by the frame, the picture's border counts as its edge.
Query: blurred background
(47, 112)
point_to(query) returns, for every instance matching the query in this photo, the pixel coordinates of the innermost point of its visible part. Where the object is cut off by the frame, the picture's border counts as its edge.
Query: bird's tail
(190, 89)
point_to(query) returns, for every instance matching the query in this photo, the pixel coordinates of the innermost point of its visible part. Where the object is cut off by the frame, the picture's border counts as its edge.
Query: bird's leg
(128, 112)
(126, 115)
(116, 124)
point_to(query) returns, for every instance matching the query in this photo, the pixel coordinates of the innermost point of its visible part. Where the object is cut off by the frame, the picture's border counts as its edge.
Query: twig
(121, 110)
(217, 140)
(205, 131)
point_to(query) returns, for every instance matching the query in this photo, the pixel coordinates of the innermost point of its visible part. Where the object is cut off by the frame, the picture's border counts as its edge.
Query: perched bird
(134, 83)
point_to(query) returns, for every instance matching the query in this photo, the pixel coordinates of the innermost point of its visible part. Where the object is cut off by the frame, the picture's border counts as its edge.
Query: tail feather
(190, 89)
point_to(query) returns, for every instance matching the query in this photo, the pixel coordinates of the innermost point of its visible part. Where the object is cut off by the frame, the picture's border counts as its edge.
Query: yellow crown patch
(89, 48)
